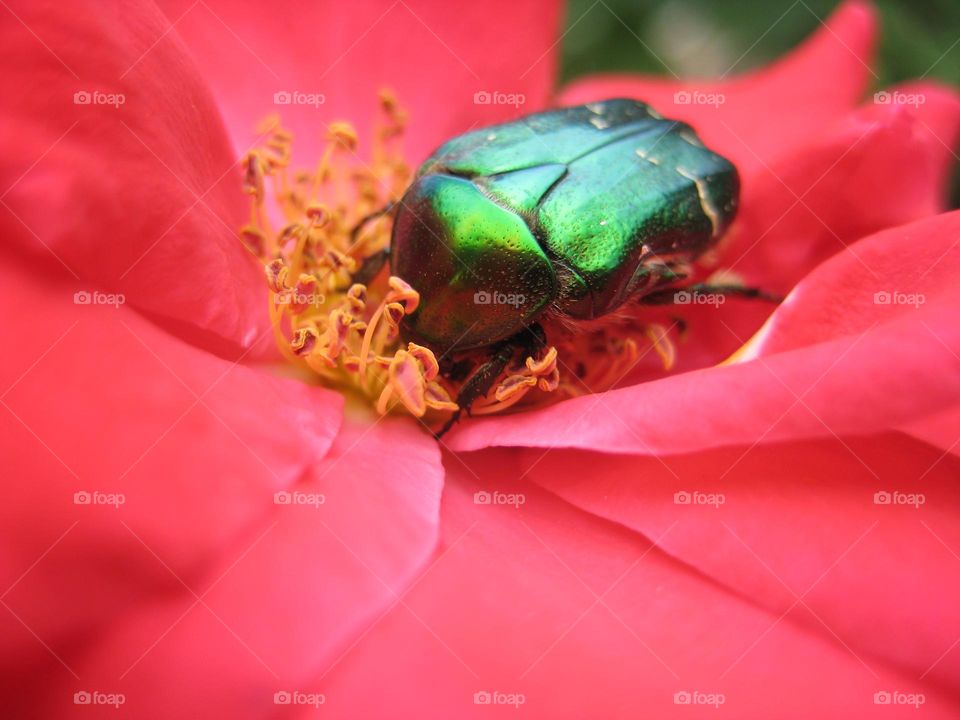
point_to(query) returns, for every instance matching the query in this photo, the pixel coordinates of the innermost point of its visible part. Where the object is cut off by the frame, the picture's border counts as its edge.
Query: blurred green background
(919, 38)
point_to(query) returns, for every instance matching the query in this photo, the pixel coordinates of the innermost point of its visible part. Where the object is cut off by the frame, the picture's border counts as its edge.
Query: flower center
(319, 234)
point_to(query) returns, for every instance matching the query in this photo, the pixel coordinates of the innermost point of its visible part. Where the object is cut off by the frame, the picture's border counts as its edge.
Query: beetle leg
(479, 383)
(380, 212)
(668, 296)
(371, 265)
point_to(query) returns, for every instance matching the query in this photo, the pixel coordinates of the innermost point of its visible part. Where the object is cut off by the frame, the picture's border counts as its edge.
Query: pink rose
(770, 530)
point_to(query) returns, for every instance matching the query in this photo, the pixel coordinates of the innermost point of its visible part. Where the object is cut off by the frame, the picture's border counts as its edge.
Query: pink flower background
(593, 593)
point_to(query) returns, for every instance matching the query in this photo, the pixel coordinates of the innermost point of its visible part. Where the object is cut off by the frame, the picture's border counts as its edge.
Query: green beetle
(570, 212)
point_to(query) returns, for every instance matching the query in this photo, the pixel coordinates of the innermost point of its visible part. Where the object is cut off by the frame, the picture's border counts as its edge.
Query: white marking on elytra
(690, 138)
(705, 203)
(596, 108)
(641, 153)
(491, 137)
(600, 123)
(603, 222)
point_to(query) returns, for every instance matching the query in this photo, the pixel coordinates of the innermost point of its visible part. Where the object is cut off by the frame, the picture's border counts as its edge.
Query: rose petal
(767, 522)
(96, 399)
(511, 605)
(939, 430)
(875, 281)
(292, 596)
(841, 298)
(435, 56)
(121, 170)
(881, 166)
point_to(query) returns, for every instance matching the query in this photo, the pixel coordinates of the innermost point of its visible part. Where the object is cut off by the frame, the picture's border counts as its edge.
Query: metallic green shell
(613, 193)
(481, 274)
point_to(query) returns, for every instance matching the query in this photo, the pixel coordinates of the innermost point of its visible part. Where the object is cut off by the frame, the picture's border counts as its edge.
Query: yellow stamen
(662, 344)
(345, 332)
(400, 294)
(535, 373)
